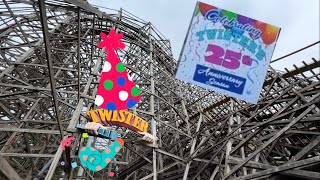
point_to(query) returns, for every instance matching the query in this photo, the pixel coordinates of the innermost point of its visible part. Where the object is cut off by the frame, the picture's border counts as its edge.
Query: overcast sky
(298, 20)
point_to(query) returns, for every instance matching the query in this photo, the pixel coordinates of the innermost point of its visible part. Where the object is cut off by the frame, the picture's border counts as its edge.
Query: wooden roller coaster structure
(49, 73)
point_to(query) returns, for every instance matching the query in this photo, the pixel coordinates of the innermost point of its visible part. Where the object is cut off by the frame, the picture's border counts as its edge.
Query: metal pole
(242, 153)
(92, 41)
(78, 54)
(153, 124)
(194, 141)
(229, 144)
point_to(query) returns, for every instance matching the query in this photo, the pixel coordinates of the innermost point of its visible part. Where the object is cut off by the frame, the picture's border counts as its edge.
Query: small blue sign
(219, 79)
(74, 164)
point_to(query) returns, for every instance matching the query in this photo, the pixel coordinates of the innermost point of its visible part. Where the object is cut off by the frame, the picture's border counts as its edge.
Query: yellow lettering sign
(119, 118)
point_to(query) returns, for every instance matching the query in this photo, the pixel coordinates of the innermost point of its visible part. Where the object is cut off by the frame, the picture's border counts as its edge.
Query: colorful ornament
(258, 25)
(66, 142)
(270, 34)
(204, 8)
(85, 135)
(74, 165)
(111, 174)
(230, 15)
(96, 160)
(245, 20)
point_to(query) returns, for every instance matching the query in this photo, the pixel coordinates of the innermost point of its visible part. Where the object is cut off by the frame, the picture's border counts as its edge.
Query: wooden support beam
(37, 131)
(193, 142)
(171, 155)
(211, 159)
(8, 170)
(299, 173)
(160, 171)
(309, 161)
(86, 6)
(46, 36)
(283, 130)
(306, 150)
(54, 163)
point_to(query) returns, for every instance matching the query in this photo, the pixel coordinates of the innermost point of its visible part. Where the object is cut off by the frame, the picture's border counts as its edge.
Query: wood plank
(306, 150)
(310, 161)
(282, 131)
(8, 170)
(299, 173)
(37, 131)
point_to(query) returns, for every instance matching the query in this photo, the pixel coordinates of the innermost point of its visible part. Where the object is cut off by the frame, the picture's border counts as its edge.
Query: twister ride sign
(227, 52)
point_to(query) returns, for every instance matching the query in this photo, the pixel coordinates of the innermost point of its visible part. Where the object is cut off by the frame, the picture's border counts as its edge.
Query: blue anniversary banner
(219, 79)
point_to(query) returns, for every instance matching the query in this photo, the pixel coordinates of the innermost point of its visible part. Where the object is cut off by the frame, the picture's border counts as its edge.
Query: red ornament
(260, 25)
(270, 34)
(111, 174)
(204, 8)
